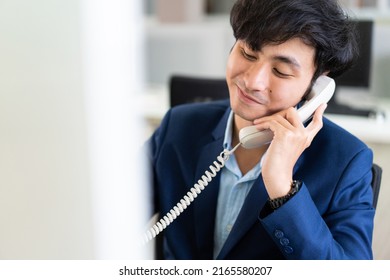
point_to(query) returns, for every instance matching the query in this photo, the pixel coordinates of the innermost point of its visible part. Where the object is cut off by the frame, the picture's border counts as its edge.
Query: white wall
(49, 200)
(189, 48)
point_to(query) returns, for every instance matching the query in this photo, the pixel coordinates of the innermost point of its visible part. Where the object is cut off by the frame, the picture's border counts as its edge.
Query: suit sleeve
(344, 231)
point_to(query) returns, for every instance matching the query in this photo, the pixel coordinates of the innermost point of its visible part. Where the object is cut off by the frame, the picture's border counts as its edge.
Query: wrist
(278, 188)
(279, 201)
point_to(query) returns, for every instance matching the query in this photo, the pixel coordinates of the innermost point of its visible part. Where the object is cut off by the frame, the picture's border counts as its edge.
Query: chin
(245, 113)
(245, 116)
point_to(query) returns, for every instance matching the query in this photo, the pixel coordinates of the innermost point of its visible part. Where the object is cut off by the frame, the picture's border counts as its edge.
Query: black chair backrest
(376, 182)
(190, 89)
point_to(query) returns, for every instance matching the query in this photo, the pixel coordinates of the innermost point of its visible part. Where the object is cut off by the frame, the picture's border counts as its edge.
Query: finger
(273, 122)
(279, 114)
(321, 109)
(292, 115)
(316, 123)
(289, 118)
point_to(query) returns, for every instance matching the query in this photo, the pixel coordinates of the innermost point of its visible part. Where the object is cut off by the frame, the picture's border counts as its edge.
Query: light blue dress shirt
(233, 190)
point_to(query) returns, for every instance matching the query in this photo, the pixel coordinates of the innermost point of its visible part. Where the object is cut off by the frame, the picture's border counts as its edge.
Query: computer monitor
(359, 75)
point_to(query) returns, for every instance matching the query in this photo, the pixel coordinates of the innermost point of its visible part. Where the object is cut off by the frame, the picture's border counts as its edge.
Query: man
(307, 194)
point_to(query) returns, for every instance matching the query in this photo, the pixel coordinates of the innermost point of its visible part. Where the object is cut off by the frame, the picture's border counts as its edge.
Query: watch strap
(277, 202)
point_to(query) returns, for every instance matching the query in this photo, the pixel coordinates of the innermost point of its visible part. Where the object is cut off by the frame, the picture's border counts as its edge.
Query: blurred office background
(73, 76)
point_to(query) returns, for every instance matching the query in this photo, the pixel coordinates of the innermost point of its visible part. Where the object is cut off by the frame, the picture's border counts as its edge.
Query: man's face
(267, 81)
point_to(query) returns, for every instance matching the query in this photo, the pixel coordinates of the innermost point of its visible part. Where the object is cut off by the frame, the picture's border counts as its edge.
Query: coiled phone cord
(190, 196)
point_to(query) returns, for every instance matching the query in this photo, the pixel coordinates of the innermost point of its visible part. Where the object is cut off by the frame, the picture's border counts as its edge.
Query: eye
(281, 74)
(247, 55)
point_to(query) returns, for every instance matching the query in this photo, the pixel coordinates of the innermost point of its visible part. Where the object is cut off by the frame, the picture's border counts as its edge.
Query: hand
(291, 138)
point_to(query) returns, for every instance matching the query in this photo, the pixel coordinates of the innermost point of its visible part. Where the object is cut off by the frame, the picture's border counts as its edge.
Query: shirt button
(229, 228)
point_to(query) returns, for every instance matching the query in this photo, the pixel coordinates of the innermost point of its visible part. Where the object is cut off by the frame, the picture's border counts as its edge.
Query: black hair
(319, 23)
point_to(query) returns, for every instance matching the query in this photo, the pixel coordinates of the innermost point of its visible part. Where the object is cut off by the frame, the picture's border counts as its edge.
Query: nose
(257, 78)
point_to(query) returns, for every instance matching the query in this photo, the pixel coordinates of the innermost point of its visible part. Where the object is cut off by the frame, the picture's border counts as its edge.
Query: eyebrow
(288, 60)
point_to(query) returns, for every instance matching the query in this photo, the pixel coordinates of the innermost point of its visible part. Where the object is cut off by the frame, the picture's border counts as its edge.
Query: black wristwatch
(277, 202)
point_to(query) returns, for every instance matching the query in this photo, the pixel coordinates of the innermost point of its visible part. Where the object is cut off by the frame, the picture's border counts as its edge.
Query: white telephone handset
(322, 92)
(250, 137)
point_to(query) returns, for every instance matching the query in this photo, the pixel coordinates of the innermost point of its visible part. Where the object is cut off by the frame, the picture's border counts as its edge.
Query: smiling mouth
(247, 96)
(250, 98)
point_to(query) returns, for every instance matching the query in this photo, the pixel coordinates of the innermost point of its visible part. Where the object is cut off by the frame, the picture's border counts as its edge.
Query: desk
(155, 102)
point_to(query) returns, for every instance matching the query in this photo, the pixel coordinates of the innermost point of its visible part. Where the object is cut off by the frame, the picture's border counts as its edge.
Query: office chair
(376, 183)
(185, 89)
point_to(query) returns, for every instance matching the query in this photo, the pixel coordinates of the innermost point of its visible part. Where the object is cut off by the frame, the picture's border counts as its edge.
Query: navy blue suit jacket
(331, 217)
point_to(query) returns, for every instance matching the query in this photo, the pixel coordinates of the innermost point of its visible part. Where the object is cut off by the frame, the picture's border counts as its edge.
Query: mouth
(250, 98)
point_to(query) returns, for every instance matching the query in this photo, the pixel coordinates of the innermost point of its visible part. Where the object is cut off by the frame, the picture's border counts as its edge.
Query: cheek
(232, 68)
(284, 95)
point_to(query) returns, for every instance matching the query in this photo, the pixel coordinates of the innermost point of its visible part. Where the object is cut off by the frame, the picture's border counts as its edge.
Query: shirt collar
(227, 141)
